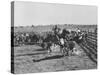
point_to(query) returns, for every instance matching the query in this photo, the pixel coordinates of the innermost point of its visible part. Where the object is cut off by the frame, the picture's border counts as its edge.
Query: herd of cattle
(57, 37)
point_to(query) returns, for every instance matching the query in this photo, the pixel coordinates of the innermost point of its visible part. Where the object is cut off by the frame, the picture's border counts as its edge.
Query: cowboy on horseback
(61, 37)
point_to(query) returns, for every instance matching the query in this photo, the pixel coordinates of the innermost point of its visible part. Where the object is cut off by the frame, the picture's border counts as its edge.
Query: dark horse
(48, 41)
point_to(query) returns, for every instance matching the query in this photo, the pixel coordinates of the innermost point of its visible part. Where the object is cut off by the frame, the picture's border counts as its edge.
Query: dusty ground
(25, 55)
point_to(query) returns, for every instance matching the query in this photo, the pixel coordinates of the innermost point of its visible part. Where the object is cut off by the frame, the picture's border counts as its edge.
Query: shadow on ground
(48, 58)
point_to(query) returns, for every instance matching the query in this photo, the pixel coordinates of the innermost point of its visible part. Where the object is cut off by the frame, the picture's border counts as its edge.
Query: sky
(34, 13)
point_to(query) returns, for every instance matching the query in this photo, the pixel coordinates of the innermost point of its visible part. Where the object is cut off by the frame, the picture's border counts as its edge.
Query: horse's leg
(49, 49)
(61, 49)
(66, 52)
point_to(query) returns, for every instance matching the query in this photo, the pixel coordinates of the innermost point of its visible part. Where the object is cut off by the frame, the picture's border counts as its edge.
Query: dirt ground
(25, 56)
